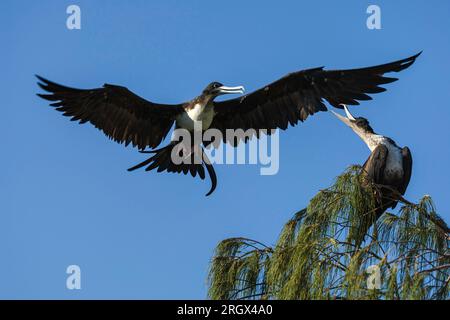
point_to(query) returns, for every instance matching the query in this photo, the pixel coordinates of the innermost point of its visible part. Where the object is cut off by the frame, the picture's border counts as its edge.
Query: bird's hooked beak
(349, 120)
(360, 126)
(230, 90)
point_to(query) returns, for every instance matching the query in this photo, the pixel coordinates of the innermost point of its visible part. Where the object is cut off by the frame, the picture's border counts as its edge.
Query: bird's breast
(394, 163)
(198, 113)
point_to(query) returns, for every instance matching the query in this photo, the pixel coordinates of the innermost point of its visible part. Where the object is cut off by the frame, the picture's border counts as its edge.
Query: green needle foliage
(324, 253)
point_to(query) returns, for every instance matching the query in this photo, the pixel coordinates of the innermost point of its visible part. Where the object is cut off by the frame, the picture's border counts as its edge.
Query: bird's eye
(361, 122)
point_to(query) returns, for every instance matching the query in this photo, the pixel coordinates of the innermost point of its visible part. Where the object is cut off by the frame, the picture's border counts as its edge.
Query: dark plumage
(388, 167)
(390, 186)
(300, 94)
(119, 113)
(130, 119)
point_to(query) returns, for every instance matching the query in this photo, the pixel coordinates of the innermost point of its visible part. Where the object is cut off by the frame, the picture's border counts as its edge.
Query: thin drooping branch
(319, 253)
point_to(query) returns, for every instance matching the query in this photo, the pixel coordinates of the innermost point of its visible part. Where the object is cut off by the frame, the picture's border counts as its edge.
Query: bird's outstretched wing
(119, 113)
(303, 93)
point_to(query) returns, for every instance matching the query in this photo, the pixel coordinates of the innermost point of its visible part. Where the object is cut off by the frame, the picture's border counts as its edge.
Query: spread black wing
(300, 94)
(120, 114)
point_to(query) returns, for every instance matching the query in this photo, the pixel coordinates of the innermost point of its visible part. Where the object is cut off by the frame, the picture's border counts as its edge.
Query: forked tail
(192, 162)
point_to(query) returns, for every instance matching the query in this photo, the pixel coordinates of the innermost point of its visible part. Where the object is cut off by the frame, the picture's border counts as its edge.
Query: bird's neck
(204, 99)
(373, 140)
(199, 103)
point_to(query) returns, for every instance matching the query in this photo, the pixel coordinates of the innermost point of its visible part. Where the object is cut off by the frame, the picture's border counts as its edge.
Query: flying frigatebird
(127, 118)
(389, 166)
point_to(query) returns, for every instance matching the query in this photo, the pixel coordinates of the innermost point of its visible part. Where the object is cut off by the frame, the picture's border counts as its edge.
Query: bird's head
(359, 125)
(215, 89)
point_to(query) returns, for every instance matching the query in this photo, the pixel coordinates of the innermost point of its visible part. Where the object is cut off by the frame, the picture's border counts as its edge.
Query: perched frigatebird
(127, 118)
(389, 166)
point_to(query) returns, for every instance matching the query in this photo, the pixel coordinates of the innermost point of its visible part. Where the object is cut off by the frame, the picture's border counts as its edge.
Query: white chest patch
(394, 162)
(199, 113)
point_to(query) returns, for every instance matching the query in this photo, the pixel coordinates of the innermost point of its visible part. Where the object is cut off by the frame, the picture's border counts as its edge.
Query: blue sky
(66, 197)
